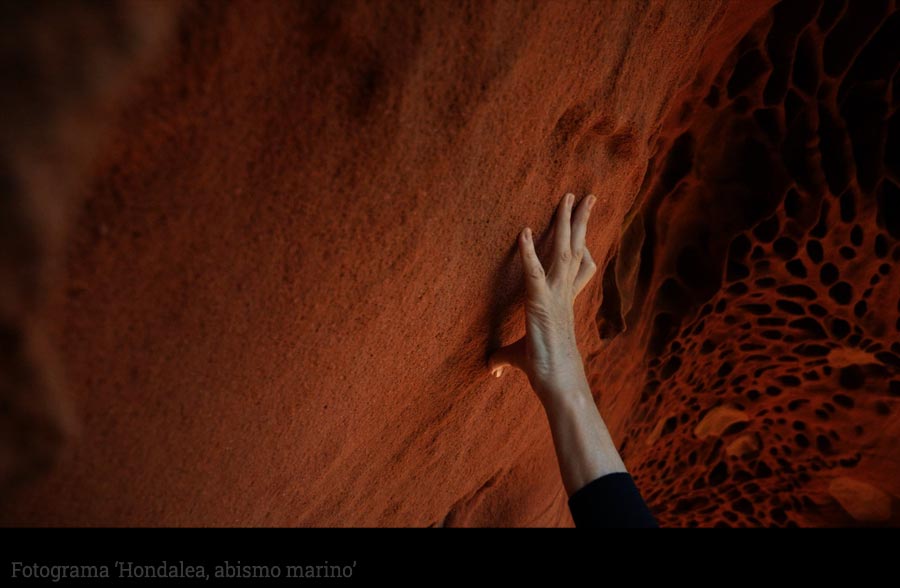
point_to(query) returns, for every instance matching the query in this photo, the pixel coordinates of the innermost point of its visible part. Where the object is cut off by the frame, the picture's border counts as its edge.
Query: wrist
(575, 392)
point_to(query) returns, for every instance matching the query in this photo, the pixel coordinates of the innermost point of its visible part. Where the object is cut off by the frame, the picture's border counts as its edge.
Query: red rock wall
(296, 249)
(767, 303)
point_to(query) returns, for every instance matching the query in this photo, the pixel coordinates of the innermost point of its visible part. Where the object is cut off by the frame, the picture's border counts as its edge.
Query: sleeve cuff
(610, 501)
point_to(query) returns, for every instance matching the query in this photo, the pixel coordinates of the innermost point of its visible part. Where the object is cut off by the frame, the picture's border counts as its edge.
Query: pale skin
(548, 353)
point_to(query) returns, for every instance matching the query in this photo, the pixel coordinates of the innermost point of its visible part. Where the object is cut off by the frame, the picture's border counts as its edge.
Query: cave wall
(767, 304)
(62, 64)
(294, 250)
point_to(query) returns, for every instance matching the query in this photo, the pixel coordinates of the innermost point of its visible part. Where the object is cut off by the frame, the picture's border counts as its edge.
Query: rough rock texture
(767, 303)
(295, 249)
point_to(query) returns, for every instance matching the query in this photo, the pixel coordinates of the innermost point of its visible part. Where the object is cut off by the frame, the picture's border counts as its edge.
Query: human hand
(548, 353)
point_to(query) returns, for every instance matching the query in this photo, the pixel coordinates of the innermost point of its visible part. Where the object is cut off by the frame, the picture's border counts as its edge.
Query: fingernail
(527, 234)
(570, 198)
(591, 200)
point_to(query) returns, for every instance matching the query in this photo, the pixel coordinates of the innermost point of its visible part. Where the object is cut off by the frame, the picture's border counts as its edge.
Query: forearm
(584, 447)
(601, 492)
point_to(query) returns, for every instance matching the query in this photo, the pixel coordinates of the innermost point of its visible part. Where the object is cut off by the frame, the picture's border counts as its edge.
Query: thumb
(509, 355)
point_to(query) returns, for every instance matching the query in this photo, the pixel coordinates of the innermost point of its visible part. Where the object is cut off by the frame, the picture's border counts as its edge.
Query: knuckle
(536, 273)
(565, 255)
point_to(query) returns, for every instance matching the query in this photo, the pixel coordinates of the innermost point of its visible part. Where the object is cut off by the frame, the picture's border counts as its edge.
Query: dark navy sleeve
(610, 501)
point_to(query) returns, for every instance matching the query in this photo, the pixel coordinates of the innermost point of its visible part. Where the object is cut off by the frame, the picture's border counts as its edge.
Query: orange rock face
(767, 300)
(294, 251)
